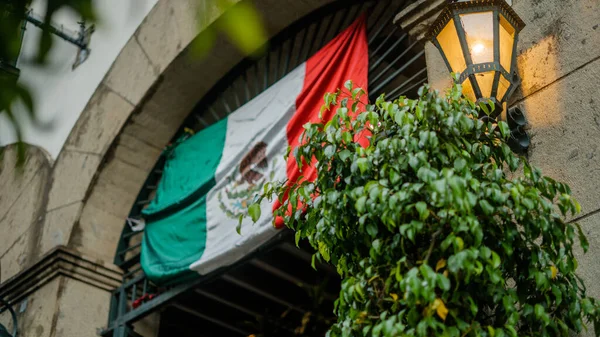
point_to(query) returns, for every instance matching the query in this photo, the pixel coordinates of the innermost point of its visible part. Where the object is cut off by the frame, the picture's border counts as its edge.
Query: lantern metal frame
(498, 7)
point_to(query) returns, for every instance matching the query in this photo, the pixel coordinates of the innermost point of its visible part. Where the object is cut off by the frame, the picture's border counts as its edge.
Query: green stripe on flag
(175, 234)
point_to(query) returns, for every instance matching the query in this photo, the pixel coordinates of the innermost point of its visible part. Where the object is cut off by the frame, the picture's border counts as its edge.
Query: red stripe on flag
(344, 58)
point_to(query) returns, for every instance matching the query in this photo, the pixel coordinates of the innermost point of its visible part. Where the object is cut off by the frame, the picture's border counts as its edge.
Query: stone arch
(143, 99)
(397, 66)
(148, 92)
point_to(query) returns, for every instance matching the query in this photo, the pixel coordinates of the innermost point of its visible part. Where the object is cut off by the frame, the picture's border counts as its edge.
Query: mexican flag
(211, 178)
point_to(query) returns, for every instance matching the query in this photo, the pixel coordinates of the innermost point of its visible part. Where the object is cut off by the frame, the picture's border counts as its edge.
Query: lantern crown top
(456, 7)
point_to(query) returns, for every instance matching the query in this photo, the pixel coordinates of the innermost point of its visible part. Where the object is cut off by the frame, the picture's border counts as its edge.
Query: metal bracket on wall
(81, 39)
(519, 140)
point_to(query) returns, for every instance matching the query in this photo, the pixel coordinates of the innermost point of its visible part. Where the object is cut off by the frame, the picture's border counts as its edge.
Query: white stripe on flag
(263, 119)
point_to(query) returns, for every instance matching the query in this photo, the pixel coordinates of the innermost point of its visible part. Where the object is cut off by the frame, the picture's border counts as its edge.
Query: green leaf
(460, 164)
(504, 129)
(348, 85)
(329, 151)
(395, 177)
(376, 244)
(238, 228)
(357, 93)
(372, 229)
(355, 106)
(344, 154)
(443, 282)
(485, 108)
(585, 245)
(422, 209)
(459, 243)
(539, 311)
(324, 250)
(254, 212)
(360, 204)
(495, 260)
(363, 164)
(486, 207)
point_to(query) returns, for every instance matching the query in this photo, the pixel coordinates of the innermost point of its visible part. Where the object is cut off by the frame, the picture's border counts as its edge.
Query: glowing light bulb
(478, 48)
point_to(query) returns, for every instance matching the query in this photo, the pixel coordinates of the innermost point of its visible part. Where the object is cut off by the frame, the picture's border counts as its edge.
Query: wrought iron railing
(4, 331)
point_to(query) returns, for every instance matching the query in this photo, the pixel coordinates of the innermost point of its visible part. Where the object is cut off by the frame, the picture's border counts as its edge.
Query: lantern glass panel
(479, 31)
(503, 86)
(448, 40)
(486, 82)
(468, 91)
(507, 40)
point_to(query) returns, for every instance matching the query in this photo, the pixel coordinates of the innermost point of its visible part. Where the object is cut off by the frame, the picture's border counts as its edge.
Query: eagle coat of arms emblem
(244, 185)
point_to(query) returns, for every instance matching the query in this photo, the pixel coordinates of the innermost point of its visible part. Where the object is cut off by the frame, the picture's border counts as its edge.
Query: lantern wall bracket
(80, 39)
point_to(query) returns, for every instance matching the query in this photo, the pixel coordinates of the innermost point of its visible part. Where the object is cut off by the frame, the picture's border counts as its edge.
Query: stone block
(58, 227)
(21, 213)
(72, 176)
(15, 181)
(100, 122)
(564, 121)
(37, 311)
(171, 26)
(137, 153)
(112, 199)
(181, 88)
(17, 255)
(132, 74)
(150, 130)
(121, 173)
(98, 233)
(82, 309)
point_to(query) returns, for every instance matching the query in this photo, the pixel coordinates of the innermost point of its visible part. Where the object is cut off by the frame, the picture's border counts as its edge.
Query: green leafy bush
(430, 235)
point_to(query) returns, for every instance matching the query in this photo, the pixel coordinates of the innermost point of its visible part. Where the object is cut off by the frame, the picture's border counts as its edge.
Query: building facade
(67, 258)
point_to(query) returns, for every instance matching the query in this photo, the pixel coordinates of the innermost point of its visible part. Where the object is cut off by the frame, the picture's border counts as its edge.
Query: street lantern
(478, 40)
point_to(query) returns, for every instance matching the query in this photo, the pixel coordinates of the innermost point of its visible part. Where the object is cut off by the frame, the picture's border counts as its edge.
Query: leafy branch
(429, 234)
